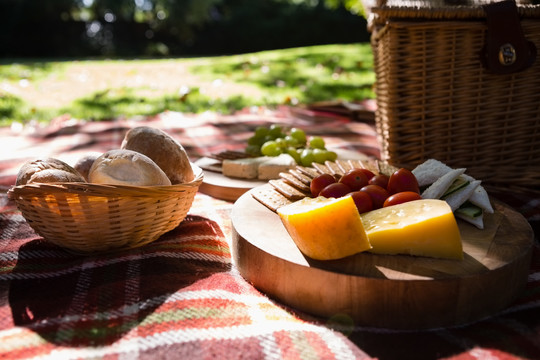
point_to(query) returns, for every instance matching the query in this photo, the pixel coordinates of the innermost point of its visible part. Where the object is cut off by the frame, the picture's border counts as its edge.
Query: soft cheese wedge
(325, 229)
(424, 227)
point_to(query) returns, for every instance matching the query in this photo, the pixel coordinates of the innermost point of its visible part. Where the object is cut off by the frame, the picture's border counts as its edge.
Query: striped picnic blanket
(181, 296)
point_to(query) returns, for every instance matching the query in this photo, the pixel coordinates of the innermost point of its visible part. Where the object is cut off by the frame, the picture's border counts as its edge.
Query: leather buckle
(506, 50)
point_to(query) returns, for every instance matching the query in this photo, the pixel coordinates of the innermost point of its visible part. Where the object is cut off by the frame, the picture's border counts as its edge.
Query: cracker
(370, 164)
(385, 168)
(293, 181)
(345, 165)
(334, 168)
(229, 155)
(287, 190)
(321, 168)
(305, 179)
(309, 171)
(270, 198)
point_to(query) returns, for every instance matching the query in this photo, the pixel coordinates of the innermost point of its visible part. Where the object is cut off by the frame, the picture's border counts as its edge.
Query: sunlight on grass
(125, 102)
(288, 76)
(306, 74)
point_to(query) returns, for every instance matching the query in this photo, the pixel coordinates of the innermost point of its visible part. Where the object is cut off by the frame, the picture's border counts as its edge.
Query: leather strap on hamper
(506, 49)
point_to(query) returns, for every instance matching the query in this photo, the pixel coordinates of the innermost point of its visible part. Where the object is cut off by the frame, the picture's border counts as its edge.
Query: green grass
(288, 76)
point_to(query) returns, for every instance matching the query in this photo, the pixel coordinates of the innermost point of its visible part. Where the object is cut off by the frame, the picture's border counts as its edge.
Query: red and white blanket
(181, 296)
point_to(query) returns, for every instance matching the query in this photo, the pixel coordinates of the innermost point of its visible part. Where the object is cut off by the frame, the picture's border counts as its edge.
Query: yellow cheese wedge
(325, 229)
(422, 227)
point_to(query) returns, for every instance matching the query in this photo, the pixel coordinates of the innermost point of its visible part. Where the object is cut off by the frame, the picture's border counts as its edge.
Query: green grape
(256, 140)
(317, 142)
(281, 143)
(268, 138)
(307, 157)
(276, 131)
(294, 154)
(320, 155)
(253, 150)
(331, 155)
(299, 135)
(291, 141)
(261, 131)
(270, 148)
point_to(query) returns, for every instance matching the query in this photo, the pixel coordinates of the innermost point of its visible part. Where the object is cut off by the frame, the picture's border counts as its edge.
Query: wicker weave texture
(89, 218)
(436, 100)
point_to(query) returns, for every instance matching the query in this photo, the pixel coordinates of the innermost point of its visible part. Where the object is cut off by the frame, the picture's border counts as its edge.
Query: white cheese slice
(270, 169)
(243, 168)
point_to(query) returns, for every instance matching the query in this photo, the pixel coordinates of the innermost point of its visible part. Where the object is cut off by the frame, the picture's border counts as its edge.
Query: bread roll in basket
(88, 218)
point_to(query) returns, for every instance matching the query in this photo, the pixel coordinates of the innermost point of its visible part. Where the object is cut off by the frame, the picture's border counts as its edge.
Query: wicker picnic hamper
(460, 83)
(90, 218)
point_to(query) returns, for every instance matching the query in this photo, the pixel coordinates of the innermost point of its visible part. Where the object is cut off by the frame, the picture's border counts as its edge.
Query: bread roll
(46, 171)
(166, 152)
(84, 164)
(126, 167)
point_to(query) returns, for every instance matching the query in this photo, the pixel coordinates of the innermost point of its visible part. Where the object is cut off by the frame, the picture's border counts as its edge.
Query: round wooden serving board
(387, 291)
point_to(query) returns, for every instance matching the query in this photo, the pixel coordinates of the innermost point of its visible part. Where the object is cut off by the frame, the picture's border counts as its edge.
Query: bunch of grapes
(276, 140)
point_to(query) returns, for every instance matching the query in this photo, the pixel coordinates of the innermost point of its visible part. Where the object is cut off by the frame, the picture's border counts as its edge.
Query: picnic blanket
(181, 296)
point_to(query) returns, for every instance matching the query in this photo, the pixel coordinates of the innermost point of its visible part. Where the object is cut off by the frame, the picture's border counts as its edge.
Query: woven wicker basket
(89, 218)
(436, 98)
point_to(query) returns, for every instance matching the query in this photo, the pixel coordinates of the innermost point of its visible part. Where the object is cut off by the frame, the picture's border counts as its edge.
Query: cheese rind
(422, 227)
(325, 229)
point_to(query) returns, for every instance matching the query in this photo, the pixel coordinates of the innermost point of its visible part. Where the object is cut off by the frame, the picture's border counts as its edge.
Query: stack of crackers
(294, 184)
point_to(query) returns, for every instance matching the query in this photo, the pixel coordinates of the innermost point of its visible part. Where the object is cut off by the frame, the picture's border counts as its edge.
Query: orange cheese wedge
(325, 229)
(421, 227)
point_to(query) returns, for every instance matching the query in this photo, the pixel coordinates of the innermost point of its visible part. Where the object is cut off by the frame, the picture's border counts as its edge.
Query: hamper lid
(440, 9)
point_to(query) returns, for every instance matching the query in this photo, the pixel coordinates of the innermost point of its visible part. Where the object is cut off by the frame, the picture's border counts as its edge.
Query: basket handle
(506, 50)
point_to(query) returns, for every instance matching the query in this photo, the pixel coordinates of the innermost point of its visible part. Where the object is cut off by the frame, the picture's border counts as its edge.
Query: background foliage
(82, 28)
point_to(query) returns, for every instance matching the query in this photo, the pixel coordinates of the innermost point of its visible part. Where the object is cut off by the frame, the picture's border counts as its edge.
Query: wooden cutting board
(387, 291)
(227, 188)
(220, 186)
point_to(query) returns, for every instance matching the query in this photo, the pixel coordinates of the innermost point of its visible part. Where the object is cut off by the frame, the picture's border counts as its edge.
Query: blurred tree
(68, 28)
(183, 18)
(36, 26)
(355, 6)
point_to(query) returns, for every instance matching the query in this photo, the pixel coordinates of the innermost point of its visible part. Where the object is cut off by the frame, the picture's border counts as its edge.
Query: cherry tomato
(320, 182)
(335, 190)
(355, 179)
(368, 173)
(401, 197)
(381, 180)
(402, 180)
(378, 195)
(362, 200)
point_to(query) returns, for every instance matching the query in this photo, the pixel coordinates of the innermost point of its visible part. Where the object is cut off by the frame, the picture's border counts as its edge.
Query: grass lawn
(105, 89)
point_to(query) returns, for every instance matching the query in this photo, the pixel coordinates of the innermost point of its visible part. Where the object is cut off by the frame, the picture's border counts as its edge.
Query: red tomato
(381, 180)
(378, 195)
(402, 180)
(362, 200)
(401, 197)
(320, 182)
(355, 179)
(368, 173)
(335, 190)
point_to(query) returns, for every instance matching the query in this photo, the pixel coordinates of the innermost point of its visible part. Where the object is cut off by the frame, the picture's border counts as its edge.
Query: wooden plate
(387, 291)
(223, 187)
